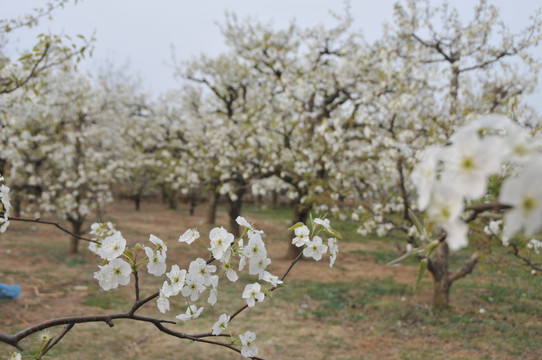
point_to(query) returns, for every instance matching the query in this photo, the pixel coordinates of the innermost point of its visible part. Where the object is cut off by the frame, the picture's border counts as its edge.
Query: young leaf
(421, 271)
(295, 226)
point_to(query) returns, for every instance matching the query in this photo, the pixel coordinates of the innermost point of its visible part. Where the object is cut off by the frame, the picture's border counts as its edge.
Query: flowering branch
(111, 246)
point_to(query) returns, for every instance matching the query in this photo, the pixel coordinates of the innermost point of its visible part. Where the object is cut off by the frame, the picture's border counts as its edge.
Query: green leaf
(416, 221)
(334, 233)
(295, 226)
(431, 247)
(404, 256)
(421, 271)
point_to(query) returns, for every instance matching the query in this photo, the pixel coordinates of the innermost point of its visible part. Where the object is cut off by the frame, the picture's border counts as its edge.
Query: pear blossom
(189, 236)
(160, 245)
(424, 175)
(524, 194)
(102, 230)
(469, 162)
(163, 299)
(270, 278)
(243, 222)
(176, 277)
(200, 267)
(220, 242)
(5, 206)
(15, 356)
(116, 272)
(230, 272)
(157, 262)
(333, 250)
(44, 336)
(301, 236)
(112, 246)
(324, 223)
(535, 245)
(252, 293)
(257, 265)
(213, 296)
(456, 234)
(315, 248)
(247, 340)
(193, 286)
(255, 248)
(221, 324)
(446, 203)
(95, 247)
(192, 312)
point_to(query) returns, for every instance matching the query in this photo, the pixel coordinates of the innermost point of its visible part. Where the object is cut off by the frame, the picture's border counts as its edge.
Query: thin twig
(140, 303)
(136, 286)
(57, 340)
(480, 208)
(238, 311)
(54, 223)
(528, 262)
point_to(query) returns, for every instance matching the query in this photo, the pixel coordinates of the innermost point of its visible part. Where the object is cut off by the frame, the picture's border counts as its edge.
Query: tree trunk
(172, 200)
(441, 293)
(137, 201)
(17, 204)
(438, 267)
(76, 229)
(211, 214)
(301, 213)
(164, 194)
(275, 196)
(193, 203)
(235, 210)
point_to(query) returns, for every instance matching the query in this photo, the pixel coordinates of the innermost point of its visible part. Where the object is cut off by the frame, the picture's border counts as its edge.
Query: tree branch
(466, 268)
(515, 252)
(54, 223)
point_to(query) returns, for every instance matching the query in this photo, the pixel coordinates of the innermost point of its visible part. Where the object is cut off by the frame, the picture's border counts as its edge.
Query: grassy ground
(360, 309)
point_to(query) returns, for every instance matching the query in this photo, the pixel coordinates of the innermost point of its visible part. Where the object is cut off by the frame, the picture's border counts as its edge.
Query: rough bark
(442, 279)
(438, 267)
(211, 214)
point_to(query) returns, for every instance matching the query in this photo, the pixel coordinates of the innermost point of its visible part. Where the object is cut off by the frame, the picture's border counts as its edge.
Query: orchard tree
(442, 73)
(61, 145)
(310, 82)
(231, 108)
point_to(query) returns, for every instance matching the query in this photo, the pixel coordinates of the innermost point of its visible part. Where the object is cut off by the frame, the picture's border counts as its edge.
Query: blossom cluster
(232, 256)
(313, 242)
(5, 206)
(448, 177)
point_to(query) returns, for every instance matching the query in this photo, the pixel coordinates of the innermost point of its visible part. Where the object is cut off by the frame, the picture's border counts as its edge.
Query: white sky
(140, 33)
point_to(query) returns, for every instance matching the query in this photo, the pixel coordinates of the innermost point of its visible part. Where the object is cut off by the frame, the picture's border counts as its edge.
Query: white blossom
(189, 236)
(252, 293)
(192, 312)
(247, 340)
(315, 248)
(221, 324)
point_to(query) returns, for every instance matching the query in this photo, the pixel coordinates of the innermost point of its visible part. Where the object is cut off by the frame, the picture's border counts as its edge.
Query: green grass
(106, 300)
(279, 215)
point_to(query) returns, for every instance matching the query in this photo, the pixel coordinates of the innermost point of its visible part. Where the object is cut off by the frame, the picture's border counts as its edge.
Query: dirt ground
(55, 284)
